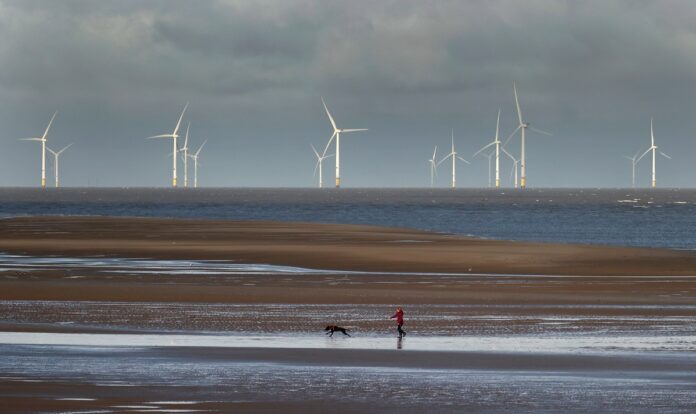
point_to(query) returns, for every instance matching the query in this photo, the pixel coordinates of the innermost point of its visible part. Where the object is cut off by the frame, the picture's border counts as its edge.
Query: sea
(624, 217)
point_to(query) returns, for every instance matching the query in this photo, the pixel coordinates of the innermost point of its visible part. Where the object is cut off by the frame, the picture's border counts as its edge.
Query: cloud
(254, 70)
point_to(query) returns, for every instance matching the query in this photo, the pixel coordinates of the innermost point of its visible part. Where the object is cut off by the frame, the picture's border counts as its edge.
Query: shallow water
(144, 266)
(144, 377)
(592, 344)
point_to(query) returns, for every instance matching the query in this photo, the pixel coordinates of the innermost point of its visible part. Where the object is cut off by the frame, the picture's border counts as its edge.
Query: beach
(120, 314)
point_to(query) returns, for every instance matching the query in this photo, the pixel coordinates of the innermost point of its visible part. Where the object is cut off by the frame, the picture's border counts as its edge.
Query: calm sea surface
(655, 218)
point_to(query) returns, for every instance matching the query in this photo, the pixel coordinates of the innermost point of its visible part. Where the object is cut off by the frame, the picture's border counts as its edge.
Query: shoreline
(639, 363)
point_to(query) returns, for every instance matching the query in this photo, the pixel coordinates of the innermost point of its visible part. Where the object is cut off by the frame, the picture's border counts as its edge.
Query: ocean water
(628, 217)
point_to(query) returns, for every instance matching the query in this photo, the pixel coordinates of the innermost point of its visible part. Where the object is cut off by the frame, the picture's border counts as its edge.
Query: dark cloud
(593, 72)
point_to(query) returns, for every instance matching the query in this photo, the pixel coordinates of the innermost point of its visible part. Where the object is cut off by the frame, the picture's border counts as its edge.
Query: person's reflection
(399, 342)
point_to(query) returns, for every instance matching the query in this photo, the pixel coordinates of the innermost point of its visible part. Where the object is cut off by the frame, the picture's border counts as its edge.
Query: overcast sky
(591, 72)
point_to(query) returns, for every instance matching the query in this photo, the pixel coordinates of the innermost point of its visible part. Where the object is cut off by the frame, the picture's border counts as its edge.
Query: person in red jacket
(399, 316)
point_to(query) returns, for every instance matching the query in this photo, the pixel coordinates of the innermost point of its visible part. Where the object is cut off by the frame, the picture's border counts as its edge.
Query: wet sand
(418, 265)
(451, 286)
(328, 246)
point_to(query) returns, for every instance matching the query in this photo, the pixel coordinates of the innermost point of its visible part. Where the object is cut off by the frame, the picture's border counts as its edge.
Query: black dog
(330, 329)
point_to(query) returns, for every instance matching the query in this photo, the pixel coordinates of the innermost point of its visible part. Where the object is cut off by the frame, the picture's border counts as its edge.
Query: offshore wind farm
(491, 204)
(498, 148)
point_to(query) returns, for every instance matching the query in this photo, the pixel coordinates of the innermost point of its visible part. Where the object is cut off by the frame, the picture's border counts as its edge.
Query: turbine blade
(316, 167)
(66, 147)
(482, 149)
(652, 135)
(31, 139)
(497, 127)
(512, 135)
(665, 155)
(161, 136)
(315, 151)
(51, 151)
(353, 130)
(537, 130)
(644, 154)
(200, 148)
(508, 154)
(176, 130)
(328, 143)
(462, 159)
(444, 159)
(434, 152)
(517, 103)
(187, 135)
(333, 123)
(49, 125)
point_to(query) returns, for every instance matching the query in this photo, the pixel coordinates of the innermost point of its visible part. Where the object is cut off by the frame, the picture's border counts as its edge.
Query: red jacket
(399, 315)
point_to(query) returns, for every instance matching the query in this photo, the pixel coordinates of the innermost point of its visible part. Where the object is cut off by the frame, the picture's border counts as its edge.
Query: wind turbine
(433, 168)
(43, 149)
(634, 162)
(515, 161)
(194, 157)
(653, 148)
(185, 157)
(320, 159)
(55, 159)
(489, 156)
(337, 133)
(495, 142)
(523, 127)
(454, 156)
(174, 135)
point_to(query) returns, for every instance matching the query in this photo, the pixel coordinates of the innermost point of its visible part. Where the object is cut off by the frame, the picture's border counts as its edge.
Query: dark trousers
(401, 331)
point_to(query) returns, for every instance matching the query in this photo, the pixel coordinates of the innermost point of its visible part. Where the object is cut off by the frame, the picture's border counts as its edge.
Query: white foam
(76, 399)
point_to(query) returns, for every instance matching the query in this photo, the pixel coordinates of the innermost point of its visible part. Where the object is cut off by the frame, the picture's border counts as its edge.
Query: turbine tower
(174, 135)
(337, 133)
(523, 126)
(185, 157)
(43, 149)
(515, 162)
(55, 159)
(653, 148)
(320, 159)
(495, 142)
(634, 162)
(454, 156)
(433, 168)
(194, 157)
